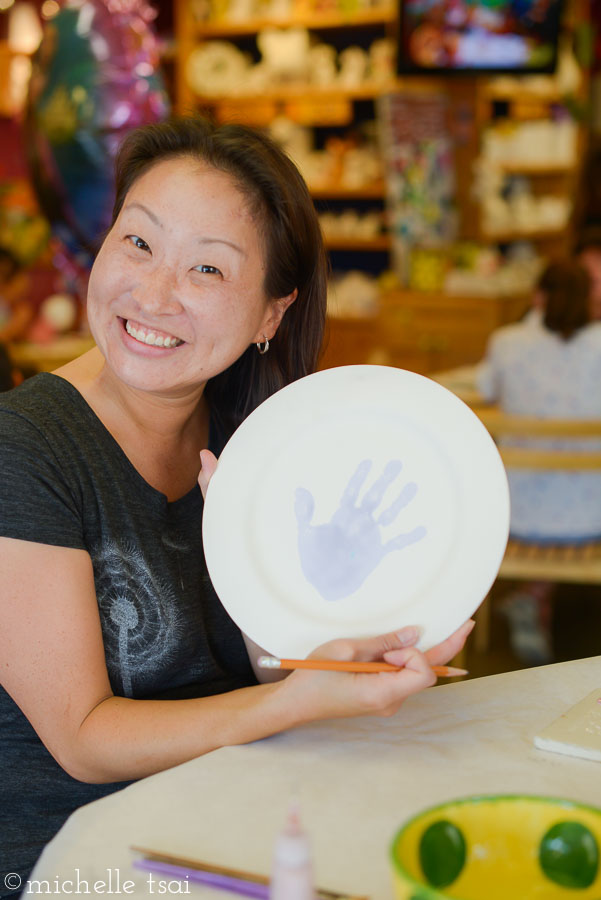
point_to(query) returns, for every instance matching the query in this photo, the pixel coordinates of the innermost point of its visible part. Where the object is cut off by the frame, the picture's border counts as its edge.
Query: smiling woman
(177, 293)
(207, 296)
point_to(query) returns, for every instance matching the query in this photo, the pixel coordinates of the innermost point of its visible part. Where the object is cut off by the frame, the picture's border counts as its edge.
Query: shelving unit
(419, 330)
(328, 109)
(190, 32)
(295, 91)
(500, 100)
(319, 21)
(374, 191)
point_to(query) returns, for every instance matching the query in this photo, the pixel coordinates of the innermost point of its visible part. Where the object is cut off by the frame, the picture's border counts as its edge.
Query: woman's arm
(53, 667)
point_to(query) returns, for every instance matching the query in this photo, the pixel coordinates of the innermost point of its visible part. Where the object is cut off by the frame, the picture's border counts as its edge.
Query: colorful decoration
(23, 232)
(417, 151)
(427, 269)
(94, 78)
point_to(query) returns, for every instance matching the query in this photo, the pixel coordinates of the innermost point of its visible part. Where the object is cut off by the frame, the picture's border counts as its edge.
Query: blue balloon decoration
(95, 77)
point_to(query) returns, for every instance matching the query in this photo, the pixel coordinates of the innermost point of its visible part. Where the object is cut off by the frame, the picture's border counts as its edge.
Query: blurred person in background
(548, 367)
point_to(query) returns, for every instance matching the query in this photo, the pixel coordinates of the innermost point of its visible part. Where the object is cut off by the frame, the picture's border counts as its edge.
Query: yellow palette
(500, 847)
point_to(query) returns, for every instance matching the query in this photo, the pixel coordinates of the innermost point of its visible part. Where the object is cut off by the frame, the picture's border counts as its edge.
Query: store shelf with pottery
(533, 140)
(322, 78)
(291, 53)
(301, 71)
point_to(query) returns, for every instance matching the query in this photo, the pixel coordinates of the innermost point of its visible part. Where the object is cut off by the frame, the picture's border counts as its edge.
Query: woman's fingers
(367, 649)
(318, 695)
(208, 462)
(441, 653)
(323, 695)
(445, 651)
(386, 646)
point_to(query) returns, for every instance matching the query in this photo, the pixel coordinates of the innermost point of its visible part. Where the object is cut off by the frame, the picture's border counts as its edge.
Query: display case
(321, 98)
(311, 74)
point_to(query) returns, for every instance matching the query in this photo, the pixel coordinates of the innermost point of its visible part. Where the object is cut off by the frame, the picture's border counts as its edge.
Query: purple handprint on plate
(337, 557)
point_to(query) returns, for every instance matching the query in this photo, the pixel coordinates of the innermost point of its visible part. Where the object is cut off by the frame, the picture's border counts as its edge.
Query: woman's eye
(138, 242)
(208, 270)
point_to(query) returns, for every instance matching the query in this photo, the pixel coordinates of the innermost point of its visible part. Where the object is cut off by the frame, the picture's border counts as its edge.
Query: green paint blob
(569, 855)
(442, 853)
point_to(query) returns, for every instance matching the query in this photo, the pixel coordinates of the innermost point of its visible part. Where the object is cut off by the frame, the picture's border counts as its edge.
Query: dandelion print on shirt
(138, 612)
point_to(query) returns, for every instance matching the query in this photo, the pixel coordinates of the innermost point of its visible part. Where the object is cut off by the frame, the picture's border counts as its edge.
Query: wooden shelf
(533, 170)
(375, 191)
(522, 94)
(365, 91)
(506, 237)
(227, 28)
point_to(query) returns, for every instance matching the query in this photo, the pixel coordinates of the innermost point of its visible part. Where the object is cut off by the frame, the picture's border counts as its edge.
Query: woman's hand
(441, 653)
(208, 462)
(322, 695)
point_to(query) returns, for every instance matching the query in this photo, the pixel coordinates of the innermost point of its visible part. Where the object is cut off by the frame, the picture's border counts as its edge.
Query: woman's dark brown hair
(294, 251)
(566, 286)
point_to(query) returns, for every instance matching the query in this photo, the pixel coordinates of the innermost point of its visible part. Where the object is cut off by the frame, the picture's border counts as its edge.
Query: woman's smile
(153, 337)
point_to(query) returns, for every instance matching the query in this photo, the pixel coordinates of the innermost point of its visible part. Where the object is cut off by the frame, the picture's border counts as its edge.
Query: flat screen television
(472, 36)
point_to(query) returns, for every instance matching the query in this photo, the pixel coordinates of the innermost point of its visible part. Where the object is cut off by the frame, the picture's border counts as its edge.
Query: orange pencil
(337, 665)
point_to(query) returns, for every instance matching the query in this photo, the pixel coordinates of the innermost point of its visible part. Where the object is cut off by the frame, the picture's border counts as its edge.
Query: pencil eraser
(577, 732)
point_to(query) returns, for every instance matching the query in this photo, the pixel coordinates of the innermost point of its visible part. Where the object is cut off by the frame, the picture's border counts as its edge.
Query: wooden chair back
(575, 563)
(501, 425)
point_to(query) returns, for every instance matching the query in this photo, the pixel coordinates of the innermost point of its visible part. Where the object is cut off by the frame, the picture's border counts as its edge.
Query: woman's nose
(158, 293)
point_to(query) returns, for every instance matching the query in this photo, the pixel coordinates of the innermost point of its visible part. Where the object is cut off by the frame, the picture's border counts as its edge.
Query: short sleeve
(37, 501)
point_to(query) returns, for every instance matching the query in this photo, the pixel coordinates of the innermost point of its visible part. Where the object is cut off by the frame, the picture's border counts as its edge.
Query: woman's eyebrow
(201, 240)
(144, 209)
(212, 240)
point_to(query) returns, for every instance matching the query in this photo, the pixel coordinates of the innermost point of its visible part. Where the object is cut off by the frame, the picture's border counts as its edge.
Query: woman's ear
(274, 316)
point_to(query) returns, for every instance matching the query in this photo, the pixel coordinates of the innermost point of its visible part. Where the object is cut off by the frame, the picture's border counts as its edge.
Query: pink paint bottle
(292, 873)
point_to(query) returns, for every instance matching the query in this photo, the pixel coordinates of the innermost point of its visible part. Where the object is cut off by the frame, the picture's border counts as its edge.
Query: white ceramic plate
(351, 503)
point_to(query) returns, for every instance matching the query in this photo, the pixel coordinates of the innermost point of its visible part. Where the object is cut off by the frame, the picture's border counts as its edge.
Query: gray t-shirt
(65, 481)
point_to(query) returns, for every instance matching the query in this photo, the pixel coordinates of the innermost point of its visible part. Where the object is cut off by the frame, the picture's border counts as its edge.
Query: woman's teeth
(151, 337)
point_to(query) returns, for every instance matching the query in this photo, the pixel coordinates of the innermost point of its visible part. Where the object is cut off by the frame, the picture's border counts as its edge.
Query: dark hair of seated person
(293, 245)
(566, 288)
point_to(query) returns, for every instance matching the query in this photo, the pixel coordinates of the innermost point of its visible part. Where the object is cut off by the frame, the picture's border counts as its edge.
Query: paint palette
(353, 502)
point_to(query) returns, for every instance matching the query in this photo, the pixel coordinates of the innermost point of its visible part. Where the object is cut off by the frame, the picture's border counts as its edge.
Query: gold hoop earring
(264, 347)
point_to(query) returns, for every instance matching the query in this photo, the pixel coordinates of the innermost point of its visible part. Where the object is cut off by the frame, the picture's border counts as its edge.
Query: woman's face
(176, 292)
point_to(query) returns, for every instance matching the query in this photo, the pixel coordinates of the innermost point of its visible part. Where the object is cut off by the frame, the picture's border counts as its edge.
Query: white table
(357, 781)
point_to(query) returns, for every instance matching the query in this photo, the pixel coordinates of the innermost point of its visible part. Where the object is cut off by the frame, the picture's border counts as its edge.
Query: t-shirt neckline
(186, 498)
